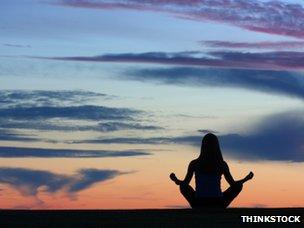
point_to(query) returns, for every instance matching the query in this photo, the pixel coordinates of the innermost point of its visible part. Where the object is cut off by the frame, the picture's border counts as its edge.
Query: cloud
(206, 131)
(48, 97)
(54, 126)
(277, 45)
(8, 135)
(272, 17)
(275, 60)
(259, 205)
(190, 116)
(88, 177)
(117, 126)
(278, 137)
(284, 83)
(18, 152)
(17, 45)
(62, 110)
(29, 181)
(138, 140)
(84, 112)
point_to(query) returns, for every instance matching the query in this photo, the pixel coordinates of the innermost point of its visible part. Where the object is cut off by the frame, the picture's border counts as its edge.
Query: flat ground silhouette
(230, 217)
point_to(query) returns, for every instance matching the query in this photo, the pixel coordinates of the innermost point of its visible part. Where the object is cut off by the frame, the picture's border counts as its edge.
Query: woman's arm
(189, 173)
(230, 179)
(228, 175)
(188, 176)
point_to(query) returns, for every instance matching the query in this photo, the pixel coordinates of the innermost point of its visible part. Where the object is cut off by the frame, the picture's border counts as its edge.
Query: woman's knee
(185, 189)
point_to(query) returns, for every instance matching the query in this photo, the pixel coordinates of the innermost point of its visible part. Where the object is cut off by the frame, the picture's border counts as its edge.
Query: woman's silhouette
(208, 169)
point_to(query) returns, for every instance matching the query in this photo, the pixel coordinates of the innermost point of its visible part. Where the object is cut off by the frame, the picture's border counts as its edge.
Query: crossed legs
(228, 196)
(188, 192)
(223, 202)
(231, 193)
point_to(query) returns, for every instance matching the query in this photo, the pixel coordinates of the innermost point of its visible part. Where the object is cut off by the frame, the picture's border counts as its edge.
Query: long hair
(211, 156)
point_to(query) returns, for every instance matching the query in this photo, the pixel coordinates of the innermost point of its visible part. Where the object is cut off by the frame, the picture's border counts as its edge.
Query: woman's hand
(174, 178)
(245, 179)
(249, 176)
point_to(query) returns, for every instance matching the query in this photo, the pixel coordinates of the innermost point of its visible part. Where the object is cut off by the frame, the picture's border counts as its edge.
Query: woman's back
(207, 181)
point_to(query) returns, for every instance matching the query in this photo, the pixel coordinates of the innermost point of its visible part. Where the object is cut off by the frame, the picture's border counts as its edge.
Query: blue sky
(155, 60)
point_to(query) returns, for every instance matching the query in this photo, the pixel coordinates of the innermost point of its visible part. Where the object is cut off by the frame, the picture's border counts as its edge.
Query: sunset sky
(100, 100)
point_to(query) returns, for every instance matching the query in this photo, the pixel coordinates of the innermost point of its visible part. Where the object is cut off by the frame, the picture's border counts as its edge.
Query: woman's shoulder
(225, 166)
(193, 163)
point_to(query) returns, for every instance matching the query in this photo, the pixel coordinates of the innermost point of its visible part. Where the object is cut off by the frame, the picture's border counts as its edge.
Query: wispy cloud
(84, 112)
(274, 60)
(17, 45)
(116, 126)
(206, 131)
(276, 137)
(48, 97)
(29, 181)
(126, 140)
(24, 113)
(275, 82)
(9, 135)
(272, 17)
(276, 45)
(62, 110)
(48, 125)
(18, 152)
(193, 140)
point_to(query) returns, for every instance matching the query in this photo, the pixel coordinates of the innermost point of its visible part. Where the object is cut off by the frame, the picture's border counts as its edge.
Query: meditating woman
(208, 169)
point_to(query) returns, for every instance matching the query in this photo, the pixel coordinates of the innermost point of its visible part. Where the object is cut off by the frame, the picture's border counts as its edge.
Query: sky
(100, 100)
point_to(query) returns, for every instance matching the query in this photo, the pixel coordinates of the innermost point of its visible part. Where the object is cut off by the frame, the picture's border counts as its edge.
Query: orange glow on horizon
(276, 184)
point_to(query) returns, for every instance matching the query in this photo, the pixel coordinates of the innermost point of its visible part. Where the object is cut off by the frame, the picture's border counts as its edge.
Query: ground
(143, 218)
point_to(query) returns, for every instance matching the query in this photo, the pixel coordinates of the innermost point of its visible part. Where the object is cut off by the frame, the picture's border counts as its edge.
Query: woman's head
(210, 150)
